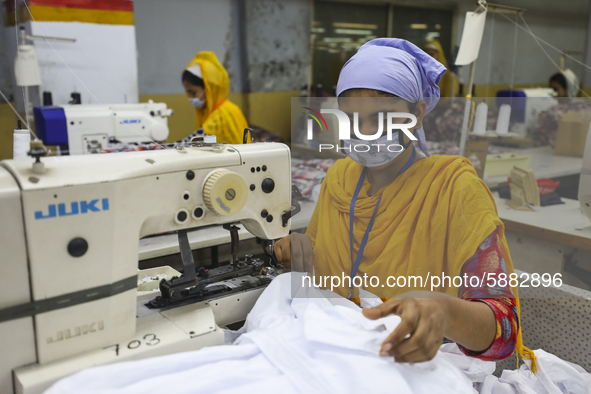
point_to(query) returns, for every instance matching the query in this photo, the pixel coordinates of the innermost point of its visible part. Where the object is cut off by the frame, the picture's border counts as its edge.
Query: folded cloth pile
(544, 132)
(307, 343)
(306, 175)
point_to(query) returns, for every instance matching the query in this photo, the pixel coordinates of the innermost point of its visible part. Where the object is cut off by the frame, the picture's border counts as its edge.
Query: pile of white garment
(309, 343)
(554, 376)
(301, 344)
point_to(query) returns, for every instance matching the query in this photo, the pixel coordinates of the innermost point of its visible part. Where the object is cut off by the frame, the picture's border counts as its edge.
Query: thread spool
(503, 119)
(480, 118)
(22, 141)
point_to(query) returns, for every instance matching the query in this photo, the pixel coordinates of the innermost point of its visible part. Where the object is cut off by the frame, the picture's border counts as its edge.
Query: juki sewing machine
(69, 263)
(84, 129)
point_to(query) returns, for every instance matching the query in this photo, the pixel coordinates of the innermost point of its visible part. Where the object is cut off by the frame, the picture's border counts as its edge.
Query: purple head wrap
(397, 67)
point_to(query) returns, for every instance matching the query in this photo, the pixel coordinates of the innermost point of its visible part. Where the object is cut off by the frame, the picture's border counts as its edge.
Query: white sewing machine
(526, 106)
(69, 239)
(87, 129)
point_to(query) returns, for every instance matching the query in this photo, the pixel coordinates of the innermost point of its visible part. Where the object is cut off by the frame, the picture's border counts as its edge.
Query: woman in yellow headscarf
(449, 86)
(207, 84)
(397, 223)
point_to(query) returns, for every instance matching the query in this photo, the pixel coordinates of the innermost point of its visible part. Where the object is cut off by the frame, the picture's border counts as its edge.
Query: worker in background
(449, 86)
(565, 83)
(207, 84)
(408, 214)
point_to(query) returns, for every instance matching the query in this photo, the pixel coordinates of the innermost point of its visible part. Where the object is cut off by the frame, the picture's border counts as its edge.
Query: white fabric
(315, 344)
(304, 344)
(554, 376)
(475, 369)
(379, 151)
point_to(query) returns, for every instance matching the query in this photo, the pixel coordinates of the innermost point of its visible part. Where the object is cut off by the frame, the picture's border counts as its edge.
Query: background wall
(264, 44)
(7, 117)
(5, 69)
(562, 24)
(99, 49)
(277, 40)
(565, 25)
(277, 56)
(170, 33)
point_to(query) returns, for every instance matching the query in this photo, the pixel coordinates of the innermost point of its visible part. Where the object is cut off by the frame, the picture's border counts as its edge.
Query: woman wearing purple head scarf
(406, 222)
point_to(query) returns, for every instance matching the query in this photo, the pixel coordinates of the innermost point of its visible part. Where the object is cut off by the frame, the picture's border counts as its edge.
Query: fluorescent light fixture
(418, 25)
(337, 39)
(318, 30)
(353, 31)
(354, 25)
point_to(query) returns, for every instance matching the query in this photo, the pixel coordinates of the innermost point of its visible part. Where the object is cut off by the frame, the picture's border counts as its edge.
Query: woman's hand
(295, 252)
(427, 318)
(420, 333)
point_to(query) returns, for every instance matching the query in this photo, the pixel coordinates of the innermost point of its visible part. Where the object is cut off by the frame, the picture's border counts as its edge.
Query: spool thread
(480, 118)
(503, 119)
(22, 142)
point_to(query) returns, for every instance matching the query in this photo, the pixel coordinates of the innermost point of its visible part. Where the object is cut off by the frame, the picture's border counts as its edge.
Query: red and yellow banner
(111, 12)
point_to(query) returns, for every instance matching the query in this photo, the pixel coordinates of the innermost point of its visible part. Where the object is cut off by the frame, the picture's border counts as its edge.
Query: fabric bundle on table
(544, 132)
(306, 175)
(304, 344)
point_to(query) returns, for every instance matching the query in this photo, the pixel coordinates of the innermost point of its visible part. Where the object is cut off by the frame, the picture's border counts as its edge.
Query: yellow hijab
(449, 81)
(220, 117)
(430, 221)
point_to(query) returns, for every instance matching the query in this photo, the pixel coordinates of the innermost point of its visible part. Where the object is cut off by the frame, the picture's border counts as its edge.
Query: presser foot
(232, 278)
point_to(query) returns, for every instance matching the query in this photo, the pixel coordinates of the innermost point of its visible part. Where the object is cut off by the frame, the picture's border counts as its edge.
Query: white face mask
(373, 153)
(197, 102)
(376, 152)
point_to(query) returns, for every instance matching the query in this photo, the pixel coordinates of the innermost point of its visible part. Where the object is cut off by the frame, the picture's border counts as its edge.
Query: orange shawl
(431, 220)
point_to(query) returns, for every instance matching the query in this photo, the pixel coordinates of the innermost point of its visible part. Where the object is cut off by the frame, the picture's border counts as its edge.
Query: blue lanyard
(355, 265)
